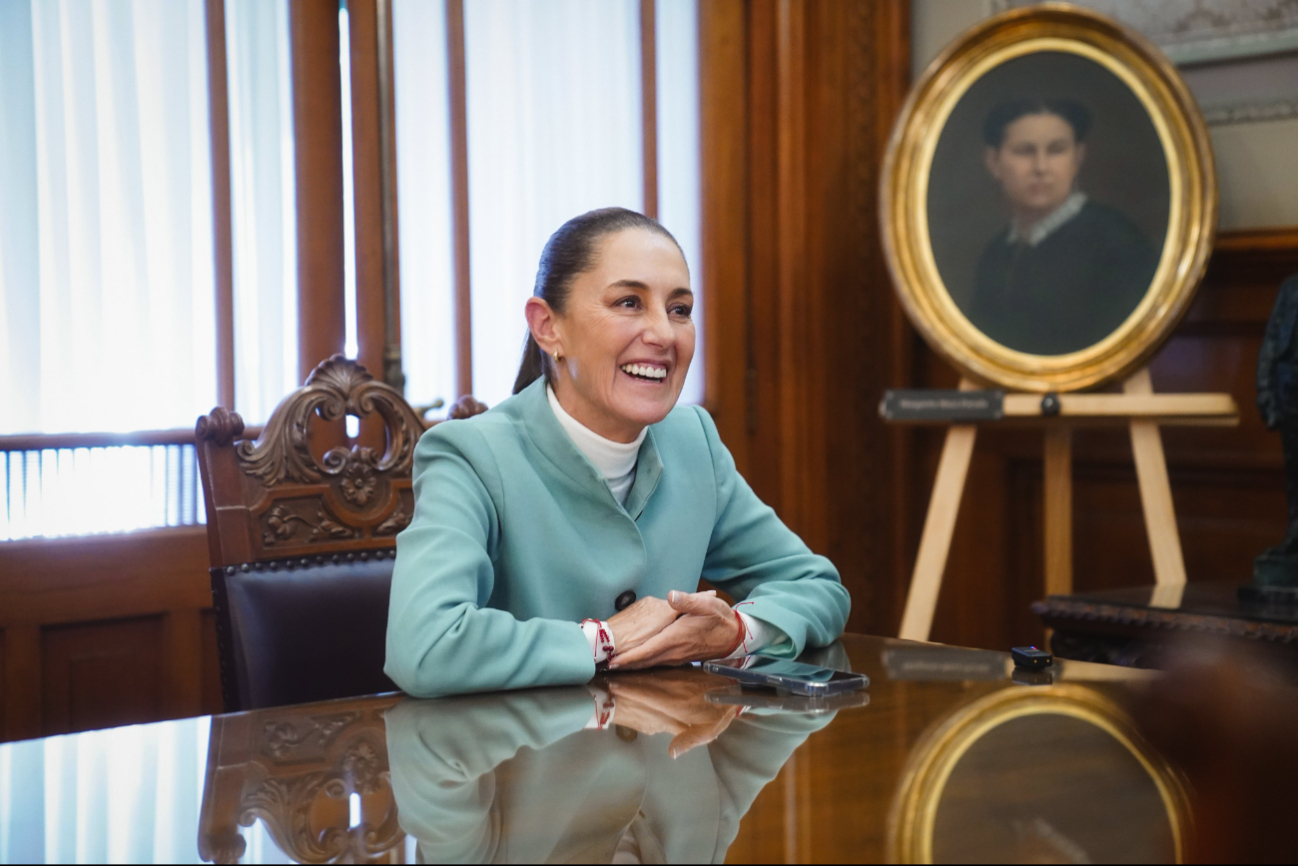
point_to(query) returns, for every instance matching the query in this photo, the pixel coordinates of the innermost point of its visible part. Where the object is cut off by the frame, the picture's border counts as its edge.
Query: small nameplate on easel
(932, 405)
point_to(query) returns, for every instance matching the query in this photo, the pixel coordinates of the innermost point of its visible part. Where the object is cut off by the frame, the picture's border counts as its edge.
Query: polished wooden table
(949, 756)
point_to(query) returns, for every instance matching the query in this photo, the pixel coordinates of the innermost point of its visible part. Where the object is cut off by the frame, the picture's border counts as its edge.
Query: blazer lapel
(566, 461)
(648, 472)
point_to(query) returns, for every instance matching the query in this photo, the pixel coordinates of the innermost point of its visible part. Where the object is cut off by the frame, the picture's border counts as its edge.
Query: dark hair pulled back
(571, 251)
(1074, 113)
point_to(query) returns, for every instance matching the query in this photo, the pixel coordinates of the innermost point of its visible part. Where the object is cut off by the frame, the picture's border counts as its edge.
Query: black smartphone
(783, 702)
(788, 676)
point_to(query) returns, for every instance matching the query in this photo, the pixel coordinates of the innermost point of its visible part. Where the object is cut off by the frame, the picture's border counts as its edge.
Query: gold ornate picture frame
(1044, 34)
(915, 817)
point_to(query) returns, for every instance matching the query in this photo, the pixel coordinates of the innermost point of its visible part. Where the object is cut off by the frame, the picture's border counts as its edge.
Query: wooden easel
(1137, 407)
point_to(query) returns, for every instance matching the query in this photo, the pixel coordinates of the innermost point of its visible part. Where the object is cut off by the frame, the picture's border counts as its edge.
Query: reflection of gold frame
(904, 196)
(934, 757)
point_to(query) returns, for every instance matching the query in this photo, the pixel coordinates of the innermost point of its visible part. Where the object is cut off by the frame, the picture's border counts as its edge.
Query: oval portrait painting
(1048, 203)
(1048, 200)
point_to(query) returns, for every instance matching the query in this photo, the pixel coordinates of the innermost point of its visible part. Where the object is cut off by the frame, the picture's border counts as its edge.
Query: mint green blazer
(516, 538)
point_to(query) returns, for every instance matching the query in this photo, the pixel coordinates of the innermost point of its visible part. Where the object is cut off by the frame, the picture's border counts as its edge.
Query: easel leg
(939, 526)
(1156, 497)
(1059, 511)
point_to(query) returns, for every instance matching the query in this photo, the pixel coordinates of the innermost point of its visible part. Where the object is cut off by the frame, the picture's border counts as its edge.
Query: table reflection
(950, 756)
(530, 777)
(316, 776)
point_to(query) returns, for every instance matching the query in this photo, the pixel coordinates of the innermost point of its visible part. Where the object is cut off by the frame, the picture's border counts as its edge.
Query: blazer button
(625, 600)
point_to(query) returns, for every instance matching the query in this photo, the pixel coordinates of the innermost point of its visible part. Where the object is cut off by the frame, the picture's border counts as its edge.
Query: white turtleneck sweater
(616, 462)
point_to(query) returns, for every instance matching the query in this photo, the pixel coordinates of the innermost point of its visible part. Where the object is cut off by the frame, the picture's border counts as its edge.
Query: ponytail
(571, 251)
(533, 365)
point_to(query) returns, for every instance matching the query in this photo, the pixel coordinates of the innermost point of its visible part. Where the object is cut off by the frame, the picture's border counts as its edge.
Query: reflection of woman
(1066, 271)
(588, 486)
(550, 776)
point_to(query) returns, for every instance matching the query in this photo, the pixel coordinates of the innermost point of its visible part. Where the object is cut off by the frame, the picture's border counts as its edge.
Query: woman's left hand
(707, 629)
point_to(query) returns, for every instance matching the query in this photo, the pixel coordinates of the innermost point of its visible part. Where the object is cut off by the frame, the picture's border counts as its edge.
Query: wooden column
(460, 196)
(377, 327)
(649, 106)
(804, 332)
(318, 156)
(222, 230)
(367, 174)
(723, 122)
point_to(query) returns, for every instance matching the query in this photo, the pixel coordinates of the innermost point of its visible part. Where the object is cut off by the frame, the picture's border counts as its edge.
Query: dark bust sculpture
(1277, 400)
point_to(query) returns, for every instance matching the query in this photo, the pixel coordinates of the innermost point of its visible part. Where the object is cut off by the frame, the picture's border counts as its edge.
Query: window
(109, 299)
(554, 127)
(106, 259)
(107, 286)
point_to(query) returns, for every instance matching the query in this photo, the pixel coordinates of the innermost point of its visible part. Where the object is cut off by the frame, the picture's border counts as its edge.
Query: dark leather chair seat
(304, 630)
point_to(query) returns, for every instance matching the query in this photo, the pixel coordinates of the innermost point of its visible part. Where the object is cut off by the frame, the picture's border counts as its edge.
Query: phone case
(787, 682)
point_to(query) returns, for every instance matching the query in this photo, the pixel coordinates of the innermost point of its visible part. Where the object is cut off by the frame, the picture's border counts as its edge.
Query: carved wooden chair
(302, 539)
(296, 768)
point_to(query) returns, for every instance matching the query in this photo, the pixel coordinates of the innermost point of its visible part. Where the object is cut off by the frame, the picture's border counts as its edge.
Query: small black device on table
(1030, 658)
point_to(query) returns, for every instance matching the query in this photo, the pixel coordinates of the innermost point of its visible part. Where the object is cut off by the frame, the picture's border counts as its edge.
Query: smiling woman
(610, 322)
(538, 524)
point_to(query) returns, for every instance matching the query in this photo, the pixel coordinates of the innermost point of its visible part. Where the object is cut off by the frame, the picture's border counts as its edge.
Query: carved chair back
(296, 769)
(302, 539)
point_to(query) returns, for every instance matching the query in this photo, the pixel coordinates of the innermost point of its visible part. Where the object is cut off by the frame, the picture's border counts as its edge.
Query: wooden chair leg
(939, 526)
(1059, 511)
(1156, 498)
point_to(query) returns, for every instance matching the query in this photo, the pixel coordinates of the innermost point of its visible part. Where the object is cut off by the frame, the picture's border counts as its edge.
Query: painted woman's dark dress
(1071, 290)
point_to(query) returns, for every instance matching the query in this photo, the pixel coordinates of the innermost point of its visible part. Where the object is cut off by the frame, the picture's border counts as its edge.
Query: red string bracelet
(738, 640)
(603, 640)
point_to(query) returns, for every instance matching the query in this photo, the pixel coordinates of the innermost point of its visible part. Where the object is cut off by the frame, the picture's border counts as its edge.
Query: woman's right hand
(641, 621)
(671, 701)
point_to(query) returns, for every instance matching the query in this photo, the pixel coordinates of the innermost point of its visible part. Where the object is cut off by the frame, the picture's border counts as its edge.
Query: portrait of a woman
(569, 527)
(1067, 270)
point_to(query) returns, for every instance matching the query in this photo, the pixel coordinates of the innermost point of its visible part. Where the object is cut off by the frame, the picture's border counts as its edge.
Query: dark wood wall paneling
(804, 332)
(804, 335)
(1227, 483)
(106, 630)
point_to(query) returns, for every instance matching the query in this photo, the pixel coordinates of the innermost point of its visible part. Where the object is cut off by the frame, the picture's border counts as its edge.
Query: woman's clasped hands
(685, 627)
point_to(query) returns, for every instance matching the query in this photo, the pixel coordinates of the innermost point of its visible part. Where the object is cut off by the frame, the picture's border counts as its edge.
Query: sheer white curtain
(124, 795)
(263, 205)
(107, 306)
(424, 197)
(106, 267)
(553, 93)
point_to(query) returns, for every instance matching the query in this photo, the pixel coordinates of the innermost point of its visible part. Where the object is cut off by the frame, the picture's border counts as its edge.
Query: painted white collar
(1071, 207)
(614, 460)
